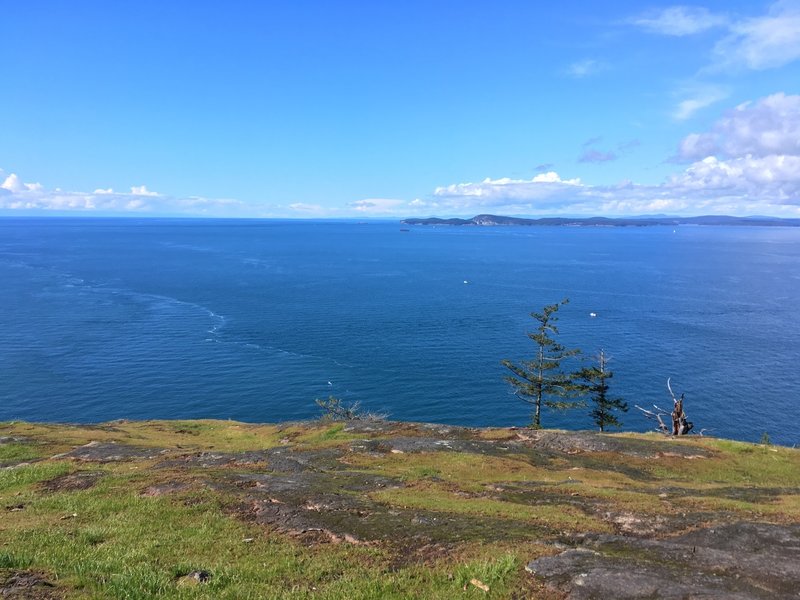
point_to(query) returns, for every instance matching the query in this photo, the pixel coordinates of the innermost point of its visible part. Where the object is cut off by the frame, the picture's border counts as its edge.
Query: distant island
(495, 220)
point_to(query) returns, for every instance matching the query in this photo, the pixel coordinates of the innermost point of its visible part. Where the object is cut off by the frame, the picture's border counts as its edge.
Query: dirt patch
(82, 480)
(736, 561)
(27, 585)
(104, 452)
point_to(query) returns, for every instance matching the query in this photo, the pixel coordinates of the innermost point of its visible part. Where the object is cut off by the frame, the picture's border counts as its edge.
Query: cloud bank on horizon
(728, 157)
(747, 163)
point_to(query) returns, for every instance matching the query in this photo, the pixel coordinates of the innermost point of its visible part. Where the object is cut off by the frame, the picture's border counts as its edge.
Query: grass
(431, 497)
(15, 452)
(222, 436)
(324, 434)
(471, 471)
(123, 545)
(14, 478)
(113, 541)
(735, 463)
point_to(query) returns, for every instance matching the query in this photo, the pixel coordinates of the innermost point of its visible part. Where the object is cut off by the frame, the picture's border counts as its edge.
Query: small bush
(335, 409)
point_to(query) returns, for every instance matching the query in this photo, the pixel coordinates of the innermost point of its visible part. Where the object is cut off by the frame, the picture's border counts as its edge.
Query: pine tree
(596, 378)
(541, 381)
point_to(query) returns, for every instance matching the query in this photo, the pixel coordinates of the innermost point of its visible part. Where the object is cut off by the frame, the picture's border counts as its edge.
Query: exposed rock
(589, 441)
(217, 459)
(8, 439)
(82, 480)
(736, 561)
(27, 585)
(194, 578)
(103, 452)
(313, 494)
(161, 489)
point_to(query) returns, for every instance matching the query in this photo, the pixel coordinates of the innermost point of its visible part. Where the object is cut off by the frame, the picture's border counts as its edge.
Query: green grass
(435, 499)
(735, 463)
(123, 545)
(492, 572)
(323, 434)
(15, 452)
(13, 478)
(471, 471)
(110, 541)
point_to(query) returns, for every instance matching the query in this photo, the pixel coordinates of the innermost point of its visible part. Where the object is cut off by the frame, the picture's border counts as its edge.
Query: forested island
(494, 220)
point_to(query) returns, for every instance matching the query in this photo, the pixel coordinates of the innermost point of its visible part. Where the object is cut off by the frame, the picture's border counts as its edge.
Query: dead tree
(680, 424)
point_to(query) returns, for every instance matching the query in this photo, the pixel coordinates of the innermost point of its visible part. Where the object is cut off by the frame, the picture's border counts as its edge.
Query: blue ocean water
(252, 320)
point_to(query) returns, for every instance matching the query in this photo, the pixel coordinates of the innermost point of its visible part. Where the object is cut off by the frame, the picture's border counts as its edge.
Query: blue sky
(392, 109)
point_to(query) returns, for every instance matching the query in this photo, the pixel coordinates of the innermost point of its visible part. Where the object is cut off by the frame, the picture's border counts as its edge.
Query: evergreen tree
(541, 381)
(596, 378)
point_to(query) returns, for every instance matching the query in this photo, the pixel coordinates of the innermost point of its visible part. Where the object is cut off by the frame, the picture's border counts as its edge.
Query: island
(495, 220)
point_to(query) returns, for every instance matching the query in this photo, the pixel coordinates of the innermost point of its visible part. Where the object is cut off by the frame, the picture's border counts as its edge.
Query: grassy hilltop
(220, 509)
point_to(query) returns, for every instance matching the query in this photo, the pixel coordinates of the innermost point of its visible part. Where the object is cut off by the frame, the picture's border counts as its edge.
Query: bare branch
(656, 416)
(671, 393)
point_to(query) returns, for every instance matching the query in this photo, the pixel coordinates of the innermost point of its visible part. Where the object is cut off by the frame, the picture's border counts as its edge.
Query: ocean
(253, 320)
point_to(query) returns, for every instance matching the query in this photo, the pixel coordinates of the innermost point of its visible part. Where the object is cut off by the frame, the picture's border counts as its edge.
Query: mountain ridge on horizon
(487, 220)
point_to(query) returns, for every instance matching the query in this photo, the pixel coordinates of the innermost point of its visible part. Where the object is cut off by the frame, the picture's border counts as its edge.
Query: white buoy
(592, 314)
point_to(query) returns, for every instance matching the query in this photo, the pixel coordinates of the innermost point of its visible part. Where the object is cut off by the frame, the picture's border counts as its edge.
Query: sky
(311, 109)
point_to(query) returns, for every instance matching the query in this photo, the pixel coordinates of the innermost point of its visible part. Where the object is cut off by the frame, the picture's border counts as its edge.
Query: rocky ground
(407, 510)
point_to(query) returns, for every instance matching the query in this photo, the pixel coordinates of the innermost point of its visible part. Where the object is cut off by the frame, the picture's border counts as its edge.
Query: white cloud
(141, 190)
(696, 145)
(768, 41)
(763, 42)
(302, 207)
(748, 163)
(698, 98)
(34, 198)
(753, 151)
(541, 185)
(679, 20)
(13, 183)
(774, 176)
(585, 68)
(376, 205)
(766, 127)
(740, 187)
(551, 177)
